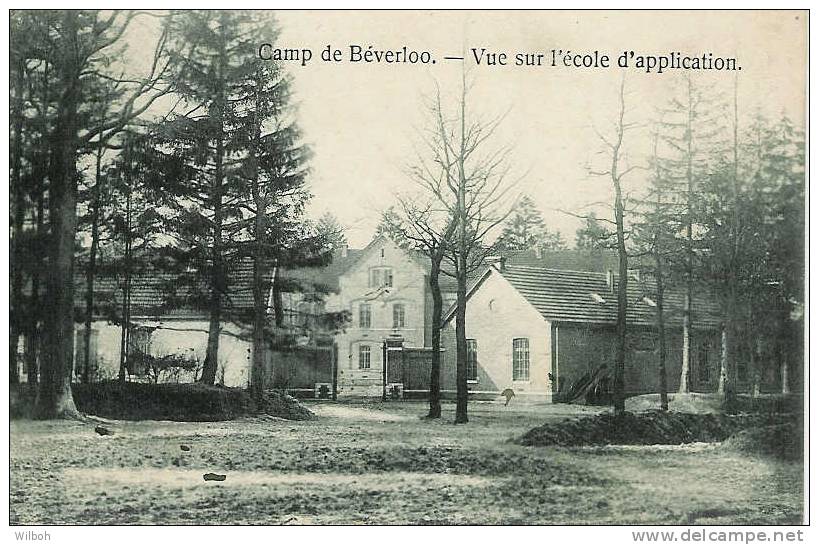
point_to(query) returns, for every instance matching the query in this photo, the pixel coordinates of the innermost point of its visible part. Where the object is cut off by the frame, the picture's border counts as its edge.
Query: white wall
(409, 289)
(177, 337)
(495, 314)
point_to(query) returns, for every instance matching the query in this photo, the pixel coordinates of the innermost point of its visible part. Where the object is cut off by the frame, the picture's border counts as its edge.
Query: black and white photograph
(416, 267)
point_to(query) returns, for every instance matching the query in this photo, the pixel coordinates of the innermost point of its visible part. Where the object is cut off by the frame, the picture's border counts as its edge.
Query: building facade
(384, 290)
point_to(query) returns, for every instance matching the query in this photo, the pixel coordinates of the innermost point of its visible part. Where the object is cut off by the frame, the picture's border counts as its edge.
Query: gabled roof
(580, 296)
(327, 278)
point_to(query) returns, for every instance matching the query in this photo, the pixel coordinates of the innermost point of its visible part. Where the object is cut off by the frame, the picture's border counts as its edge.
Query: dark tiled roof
(160, 292)
(561, 295)
(327, 278)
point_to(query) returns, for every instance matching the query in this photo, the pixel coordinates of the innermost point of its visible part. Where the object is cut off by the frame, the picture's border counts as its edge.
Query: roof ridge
(549, 269)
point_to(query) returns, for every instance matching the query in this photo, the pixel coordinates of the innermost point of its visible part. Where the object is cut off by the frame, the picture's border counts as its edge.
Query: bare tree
(469, 182)
(615, 173)
(427, 228)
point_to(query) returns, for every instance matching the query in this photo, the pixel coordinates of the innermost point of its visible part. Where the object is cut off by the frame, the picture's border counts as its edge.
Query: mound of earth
(278, 403)
(650, 428)
(181, 402)
(783, 441)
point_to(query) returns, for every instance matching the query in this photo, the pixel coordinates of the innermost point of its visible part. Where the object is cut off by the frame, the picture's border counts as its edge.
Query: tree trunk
(685, 372)
(733, 276)
(218, 278)
(723, 360)
(17, 314)
(622, 304)
(54, 399)
(257, 370)
(125, 332)
(731, 343)
(91, 272)
(33, 347)
(622, 261)
(32, 343)
(786, 387)
(661, 332)
(462, 393)
(756, 362)
(278, 305)
(437, 315)
(218, 284)
(461, 416)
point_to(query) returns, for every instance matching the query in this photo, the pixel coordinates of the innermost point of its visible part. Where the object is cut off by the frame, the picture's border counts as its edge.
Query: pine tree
(691, 130)
(200, 153)
(274, 170)
(593, 235)
(654, 235)
(235, 167)
(332, 230)
(753, 218)
(525, 229)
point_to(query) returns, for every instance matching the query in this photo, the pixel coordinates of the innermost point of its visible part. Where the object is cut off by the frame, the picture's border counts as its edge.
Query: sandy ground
(380, 464)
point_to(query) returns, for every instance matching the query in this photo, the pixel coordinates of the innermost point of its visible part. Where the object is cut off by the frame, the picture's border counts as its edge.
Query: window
(364, 316)
(381, 277)
(375, 278)
(398, 315)
(520, 359)
(472, 360)
(363, 356)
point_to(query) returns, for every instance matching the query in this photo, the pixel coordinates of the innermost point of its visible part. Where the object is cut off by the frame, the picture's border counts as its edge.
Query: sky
(363, 120)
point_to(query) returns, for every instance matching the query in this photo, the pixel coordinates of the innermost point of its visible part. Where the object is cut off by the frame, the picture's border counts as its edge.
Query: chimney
(344, 250)
(610, 280)
(497, 261)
